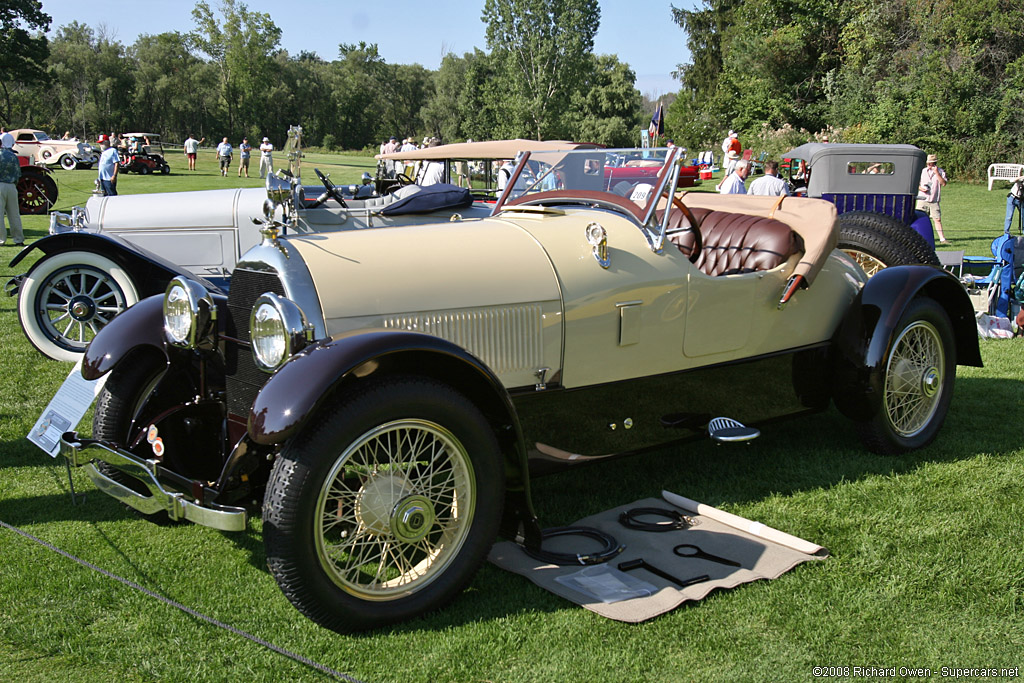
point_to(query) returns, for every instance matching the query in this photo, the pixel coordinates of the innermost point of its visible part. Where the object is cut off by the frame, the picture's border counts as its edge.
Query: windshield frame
(662, 186)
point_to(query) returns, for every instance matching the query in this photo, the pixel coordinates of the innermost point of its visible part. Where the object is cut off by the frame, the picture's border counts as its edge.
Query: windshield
(629, 180)
(40, 135)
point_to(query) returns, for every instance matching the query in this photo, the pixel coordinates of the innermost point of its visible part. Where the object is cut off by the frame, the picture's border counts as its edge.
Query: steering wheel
(698, 241)
(403, 179)
(330, 190)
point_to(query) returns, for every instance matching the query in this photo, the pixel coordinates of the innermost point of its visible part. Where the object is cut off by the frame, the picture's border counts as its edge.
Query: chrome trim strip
(175, 504)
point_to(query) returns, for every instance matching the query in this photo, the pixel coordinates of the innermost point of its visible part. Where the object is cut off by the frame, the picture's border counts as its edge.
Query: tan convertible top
(490, 149)
(815, 220)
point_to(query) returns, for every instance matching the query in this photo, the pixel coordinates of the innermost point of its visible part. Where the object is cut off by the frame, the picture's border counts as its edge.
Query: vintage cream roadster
(380, 396)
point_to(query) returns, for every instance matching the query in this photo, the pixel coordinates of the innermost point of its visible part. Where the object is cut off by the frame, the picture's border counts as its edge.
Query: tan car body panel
(514, 290)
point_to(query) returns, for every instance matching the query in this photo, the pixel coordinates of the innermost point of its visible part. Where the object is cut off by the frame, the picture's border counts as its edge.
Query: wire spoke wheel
(395, 509)
(76, 302)
(914, 378)
(868, 263)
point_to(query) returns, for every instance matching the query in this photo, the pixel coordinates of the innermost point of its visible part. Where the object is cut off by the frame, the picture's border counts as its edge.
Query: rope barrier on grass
(188, 610)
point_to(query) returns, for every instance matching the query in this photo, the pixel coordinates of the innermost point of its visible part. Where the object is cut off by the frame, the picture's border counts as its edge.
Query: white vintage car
(385, 393)
(40, 147)
(106, 256)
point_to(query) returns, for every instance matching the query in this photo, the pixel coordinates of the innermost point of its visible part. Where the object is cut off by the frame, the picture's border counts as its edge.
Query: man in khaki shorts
(932, 180)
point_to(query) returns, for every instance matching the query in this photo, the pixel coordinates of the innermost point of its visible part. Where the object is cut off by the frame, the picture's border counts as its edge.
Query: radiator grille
(507, 338)
(244, 379)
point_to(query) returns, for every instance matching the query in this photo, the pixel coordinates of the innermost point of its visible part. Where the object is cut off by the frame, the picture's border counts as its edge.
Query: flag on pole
(657, 126)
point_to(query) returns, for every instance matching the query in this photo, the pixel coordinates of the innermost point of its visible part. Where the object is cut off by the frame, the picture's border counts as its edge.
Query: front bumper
(149, 473)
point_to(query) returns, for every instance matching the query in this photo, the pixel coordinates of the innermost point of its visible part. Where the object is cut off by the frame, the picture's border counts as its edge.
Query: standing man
(224, 152)
(266, 158)
(1014, 201)
(244, 152)
(731, 150)
(10, 174)
(932, 180)
(110, 162)
(390, 148)
(770, 184)
(191, 148)
(734, 183)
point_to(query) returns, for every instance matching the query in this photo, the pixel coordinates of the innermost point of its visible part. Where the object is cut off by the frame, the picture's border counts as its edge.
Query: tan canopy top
(490, 149)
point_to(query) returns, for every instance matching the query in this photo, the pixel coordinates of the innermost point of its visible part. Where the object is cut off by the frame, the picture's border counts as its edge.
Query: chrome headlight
(189, 314)
(278, 330)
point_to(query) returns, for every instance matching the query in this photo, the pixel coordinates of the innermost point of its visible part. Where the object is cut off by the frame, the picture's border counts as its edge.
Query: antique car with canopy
(143, 153)
(104, 257)
(380, 395)
(874, 188)
(44, 150)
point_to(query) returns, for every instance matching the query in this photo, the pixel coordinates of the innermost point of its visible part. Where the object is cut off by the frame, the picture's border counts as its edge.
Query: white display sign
(65, 410)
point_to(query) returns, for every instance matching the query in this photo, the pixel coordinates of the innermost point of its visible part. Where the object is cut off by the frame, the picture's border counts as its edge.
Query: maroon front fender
(140, 325)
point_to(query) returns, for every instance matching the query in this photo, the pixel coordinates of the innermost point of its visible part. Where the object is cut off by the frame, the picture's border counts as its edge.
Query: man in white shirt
(224, 152)
(266, 157)
(191, 147)
(770, 184)
(734, 183)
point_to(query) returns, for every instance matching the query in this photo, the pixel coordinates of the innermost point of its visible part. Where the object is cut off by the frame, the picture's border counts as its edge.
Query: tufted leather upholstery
(735, 242)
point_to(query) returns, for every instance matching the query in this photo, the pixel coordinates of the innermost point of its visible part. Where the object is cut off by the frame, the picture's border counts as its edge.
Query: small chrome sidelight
(597, 238)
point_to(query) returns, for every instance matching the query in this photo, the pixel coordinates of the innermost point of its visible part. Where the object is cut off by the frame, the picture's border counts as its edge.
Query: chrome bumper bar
(79, 452)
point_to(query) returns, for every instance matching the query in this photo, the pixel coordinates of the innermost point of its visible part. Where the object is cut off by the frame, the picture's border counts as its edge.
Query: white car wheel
(68, 297)
(46, 153)
(68, 163)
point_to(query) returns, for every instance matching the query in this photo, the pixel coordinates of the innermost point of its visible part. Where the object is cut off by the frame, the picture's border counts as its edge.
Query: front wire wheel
(385, 507)
(919, 373)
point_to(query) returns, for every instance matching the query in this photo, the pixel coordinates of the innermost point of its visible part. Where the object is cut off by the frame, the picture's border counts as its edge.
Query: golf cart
(143, 153)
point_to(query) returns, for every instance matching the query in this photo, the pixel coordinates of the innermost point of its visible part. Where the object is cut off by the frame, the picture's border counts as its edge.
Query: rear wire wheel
(385, 507)
(917, 381)
(903, 235)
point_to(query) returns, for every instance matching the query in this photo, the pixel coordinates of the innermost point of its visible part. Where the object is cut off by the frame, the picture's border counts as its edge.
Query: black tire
(121, 400)
(872, 250)
(165, 169)
(919, 371)
(144, 169)
(902, 234)
(340, 482)
(68, 162)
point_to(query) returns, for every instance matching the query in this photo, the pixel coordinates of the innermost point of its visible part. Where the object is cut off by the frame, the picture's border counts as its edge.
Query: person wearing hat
(10, 174)
(731, 148)
(266, 157)
(109, 163)
(932, 180)
(244, 151)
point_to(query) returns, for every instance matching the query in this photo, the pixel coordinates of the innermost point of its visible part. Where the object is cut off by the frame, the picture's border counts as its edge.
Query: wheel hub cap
(931, 380)
(81, 308)
(412, 519)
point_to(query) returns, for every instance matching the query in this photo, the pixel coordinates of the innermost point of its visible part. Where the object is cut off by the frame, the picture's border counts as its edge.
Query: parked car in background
(102, 258)
(874, 188)
(384, 392)
(43, 149)
(37, 191)
(143, 153)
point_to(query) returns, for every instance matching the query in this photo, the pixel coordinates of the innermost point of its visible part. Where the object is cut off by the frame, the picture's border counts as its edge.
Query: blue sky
(640, 32)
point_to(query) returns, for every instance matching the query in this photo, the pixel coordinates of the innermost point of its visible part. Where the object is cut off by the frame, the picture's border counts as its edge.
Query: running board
(728, 430)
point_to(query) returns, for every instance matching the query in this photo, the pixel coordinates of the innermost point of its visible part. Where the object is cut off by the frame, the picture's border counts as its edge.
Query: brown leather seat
(734, 242)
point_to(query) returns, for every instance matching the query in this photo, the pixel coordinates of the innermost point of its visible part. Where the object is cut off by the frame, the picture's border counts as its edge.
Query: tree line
(229, 76)
(945, 75)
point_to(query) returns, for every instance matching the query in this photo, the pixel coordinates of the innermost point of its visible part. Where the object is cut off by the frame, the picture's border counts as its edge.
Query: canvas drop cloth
(760, 559)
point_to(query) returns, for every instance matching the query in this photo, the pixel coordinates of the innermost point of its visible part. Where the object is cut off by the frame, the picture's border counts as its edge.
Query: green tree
(542, 47)
(22, 55)
(243, 48)
(607, 108)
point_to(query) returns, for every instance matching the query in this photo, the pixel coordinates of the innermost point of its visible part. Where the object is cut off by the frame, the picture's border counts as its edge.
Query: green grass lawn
(926, 568)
